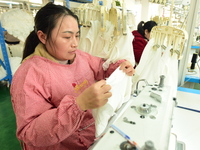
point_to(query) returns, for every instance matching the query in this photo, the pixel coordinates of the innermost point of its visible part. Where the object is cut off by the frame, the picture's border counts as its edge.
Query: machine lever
(125, 119)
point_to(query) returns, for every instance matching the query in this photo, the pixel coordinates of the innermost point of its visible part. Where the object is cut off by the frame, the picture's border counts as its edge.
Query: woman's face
(64, 39)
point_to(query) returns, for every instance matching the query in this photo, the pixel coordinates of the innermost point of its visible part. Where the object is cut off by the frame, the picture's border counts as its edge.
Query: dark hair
(45, 20)
(142, 26)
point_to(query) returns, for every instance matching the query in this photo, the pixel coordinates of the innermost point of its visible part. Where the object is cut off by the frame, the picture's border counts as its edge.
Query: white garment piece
(84, 43)
(153, 64)
(88, 36)
(101, 47)
(170, 70)
(105, 45)
(148, 55)
(15, 62)
(122, 48)
(121, 91)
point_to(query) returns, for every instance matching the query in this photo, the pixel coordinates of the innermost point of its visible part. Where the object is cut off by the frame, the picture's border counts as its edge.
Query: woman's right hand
(94, 96)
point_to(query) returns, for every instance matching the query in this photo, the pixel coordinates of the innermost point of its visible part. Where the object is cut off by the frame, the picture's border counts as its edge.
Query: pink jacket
(43, 96)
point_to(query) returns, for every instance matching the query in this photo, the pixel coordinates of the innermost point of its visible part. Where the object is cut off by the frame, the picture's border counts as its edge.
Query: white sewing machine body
(147, 117)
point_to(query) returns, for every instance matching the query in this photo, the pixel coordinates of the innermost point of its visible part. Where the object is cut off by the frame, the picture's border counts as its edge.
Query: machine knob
(127, 146)
(148, 146)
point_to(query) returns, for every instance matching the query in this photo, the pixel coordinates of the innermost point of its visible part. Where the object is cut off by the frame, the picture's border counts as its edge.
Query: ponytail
(31, 42)
(140, 28)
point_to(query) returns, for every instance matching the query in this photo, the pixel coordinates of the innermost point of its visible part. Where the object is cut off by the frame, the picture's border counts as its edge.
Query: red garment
(139, 43)
(43, 95)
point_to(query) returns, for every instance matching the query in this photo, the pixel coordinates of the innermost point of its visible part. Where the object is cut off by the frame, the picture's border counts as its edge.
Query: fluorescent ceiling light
(58, 3)
(9, 2)
(36, 1)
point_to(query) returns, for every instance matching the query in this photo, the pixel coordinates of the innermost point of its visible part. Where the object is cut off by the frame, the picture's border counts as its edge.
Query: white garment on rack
(84, 43)
(146, 59)
(157, 62)
(88, 36)
(170, 70)
(121, 91)
(103, 44)
(121, 48)
(101, 47)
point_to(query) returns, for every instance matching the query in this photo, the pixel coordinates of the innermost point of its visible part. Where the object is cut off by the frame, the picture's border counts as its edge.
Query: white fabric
(88, 35)
(145, 60)
(105, 45)
(84, 43)
(153, 64)
(18, 23)
(170, 70)
(122, 48)
(102, 42)
(121, 91)
(2, 72)
(15, 62)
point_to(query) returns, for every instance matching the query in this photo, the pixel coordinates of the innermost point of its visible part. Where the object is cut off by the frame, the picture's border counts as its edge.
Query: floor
(185, 122)
(8, 140)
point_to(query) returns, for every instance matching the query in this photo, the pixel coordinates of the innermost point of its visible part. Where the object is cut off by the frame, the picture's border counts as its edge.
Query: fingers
(129, 71)
(100, 83)
(102, 90)
(127, 67)
(105, 88)
(107, 95)
(94, 96)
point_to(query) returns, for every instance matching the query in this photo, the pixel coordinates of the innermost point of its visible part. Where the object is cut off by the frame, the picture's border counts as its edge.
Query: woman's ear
(41, 36)
(146, 32)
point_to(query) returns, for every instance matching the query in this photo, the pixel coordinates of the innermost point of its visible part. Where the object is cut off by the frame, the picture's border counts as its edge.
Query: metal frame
(5, 62)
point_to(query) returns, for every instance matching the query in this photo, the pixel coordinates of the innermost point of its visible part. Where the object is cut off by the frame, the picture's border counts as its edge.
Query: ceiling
(38, 3)
(27, 3)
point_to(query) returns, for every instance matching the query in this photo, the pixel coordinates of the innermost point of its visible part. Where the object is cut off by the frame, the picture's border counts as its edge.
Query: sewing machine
(143, 123)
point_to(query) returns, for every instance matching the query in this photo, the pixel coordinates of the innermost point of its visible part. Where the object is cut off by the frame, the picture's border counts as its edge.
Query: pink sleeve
(39, 123)
(96, 65)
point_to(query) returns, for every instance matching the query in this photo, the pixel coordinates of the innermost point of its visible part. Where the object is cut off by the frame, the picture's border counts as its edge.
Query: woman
(57, 85)
(141, 37)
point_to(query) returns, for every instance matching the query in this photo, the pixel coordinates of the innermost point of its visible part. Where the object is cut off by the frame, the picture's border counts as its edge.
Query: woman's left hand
(127, 67)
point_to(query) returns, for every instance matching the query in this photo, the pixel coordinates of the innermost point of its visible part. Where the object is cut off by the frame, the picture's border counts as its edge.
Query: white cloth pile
(18, 23)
